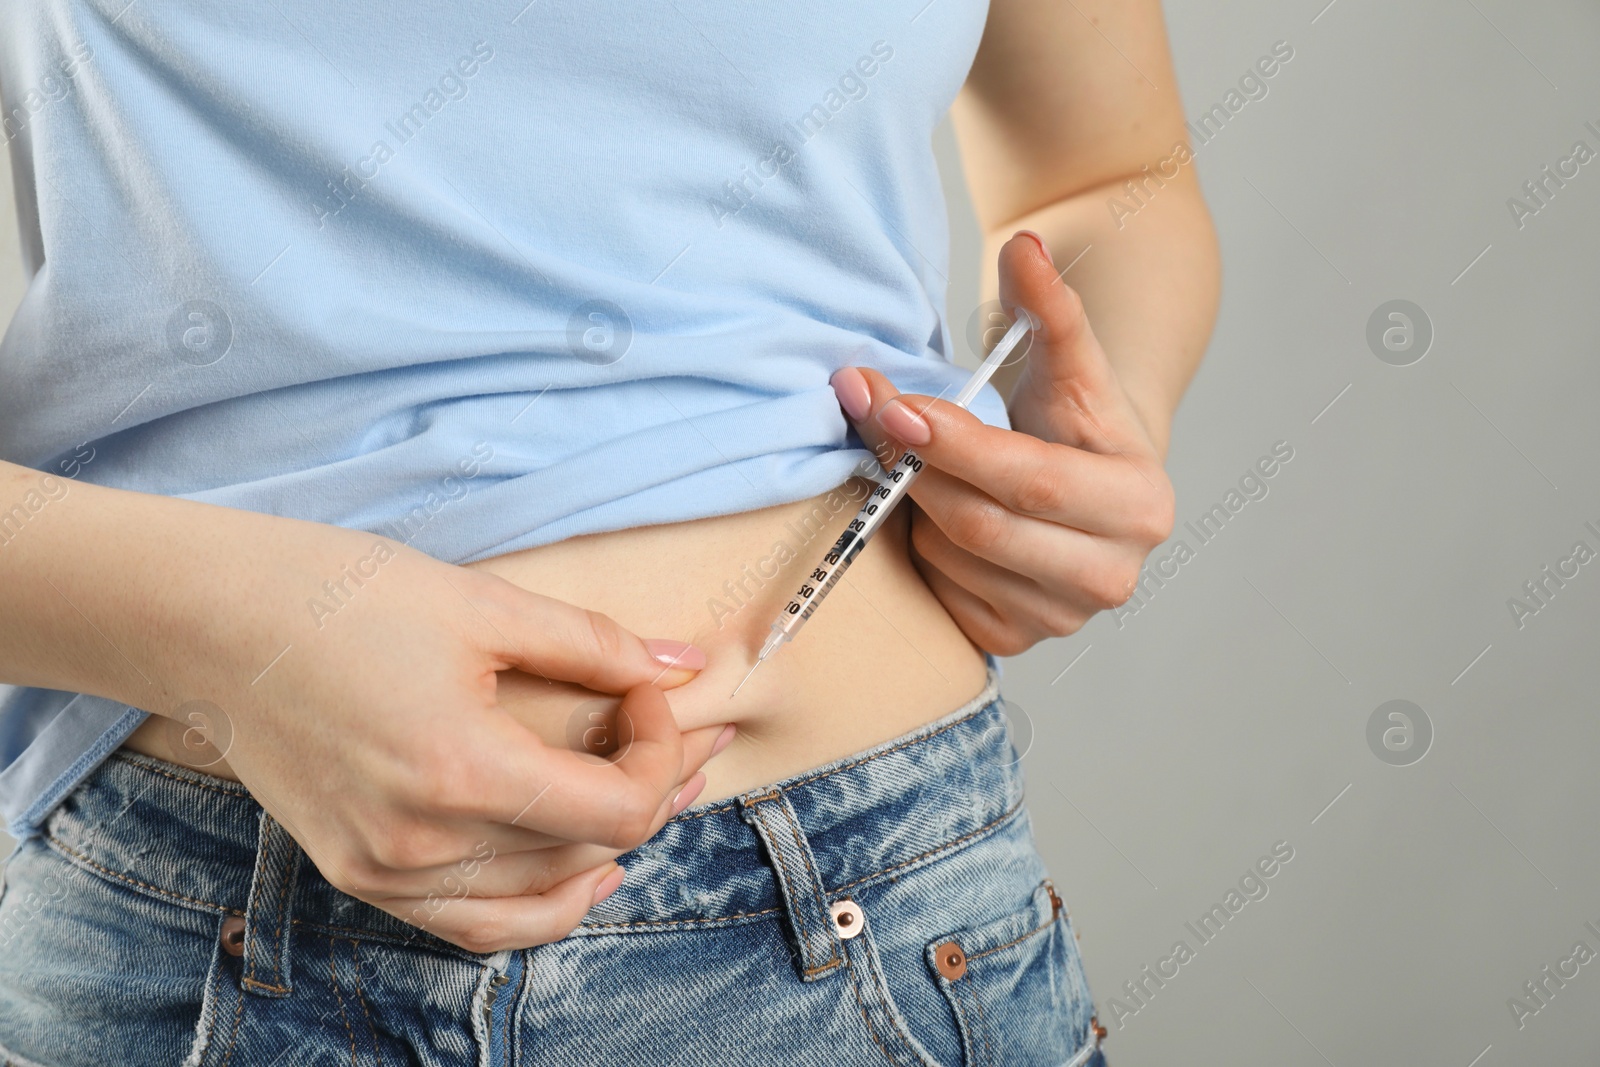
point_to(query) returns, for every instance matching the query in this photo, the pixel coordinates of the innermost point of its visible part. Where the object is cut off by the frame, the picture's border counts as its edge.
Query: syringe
(826, 574)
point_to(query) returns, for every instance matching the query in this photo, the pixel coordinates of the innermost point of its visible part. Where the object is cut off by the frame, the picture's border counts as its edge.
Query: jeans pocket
(1017, 988)
(94, 970)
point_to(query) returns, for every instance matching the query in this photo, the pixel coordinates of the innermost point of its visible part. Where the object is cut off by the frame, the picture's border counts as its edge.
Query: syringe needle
(745, 679)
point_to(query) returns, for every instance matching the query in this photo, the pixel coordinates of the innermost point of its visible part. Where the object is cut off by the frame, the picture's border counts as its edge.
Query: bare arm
(1067, 102)
(376, 740)
(104, 589)
(1026, 533)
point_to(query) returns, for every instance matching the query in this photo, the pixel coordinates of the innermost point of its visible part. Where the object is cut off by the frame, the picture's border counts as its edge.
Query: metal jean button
(847, 918)
(233, 935)
(951, 961)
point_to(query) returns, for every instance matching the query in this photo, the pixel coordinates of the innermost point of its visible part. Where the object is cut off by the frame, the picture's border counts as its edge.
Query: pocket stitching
(1014, 941)
(872, 1031)
(163, 894)
(333, 980)
(855, 987)
(233, 1033)
(960, 998)
(218, 977)
(372, 1029)
(972, 995)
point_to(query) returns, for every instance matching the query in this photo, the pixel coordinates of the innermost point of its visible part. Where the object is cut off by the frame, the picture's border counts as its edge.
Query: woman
(395, 391)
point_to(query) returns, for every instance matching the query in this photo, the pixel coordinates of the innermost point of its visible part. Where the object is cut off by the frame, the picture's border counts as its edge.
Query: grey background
(1173, 747)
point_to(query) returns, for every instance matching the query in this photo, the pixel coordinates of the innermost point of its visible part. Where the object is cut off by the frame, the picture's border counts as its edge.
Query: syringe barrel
(817, 584)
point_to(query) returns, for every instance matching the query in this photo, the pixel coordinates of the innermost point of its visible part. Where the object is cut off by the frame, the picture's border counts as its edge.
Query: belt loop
(267, 915)
(804, 896)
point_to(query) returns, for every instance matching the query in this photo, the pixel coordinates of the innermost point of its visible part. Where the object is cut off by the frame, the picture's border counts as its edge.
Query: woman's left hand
(1026, 533)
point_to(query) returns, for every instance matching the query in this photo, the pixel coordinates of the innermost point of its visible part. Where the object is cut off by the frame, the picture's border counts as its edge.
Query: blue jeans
(888, 908)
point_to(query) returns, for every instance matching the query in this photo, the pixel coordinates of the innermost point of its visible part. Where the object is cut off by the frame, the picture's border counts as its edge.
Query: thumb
(1067, 368)
(1065, 347)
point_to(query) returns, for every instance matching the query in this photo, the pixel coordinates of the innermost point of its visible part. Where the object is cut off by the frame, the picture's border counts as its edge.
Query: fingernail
(676, 654)
(687, 794)
(1043, 248)
(850, 386)
(898, 418)
(609, 883)
(724, 739)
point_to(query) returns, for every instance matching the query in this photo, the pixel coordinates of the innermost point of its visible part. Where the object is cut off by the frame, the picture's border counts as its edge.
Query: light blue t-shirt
(474, 277)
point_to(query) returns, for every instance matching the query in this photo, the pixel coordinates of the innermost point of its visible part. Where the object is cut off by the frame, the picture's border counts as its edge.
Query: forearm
(123, 594)
(1149, 281)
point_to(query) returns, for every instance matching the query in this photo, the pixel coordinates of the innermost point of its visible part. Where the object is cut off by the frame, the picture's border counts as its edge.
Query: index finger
(1062, 484)
(553, 639)
(1056, 482)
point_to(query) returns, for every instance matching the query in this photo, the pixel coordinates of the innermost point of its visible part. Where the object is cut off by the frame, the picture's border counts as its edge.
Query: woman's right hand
(378, 743)
(357, 679)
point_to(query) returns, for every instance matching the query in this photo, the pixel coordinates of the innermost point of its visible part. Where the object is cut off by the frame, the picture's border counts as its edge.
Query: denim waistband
(204, 842)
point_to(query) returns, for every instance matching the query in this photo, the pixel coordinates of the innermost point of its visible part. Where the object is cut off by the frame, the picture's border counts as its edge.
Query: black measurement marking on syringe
(833, 578)
(838, 559)
(840, 545)
(848, 545)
